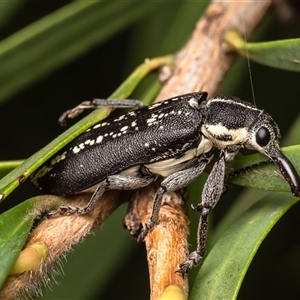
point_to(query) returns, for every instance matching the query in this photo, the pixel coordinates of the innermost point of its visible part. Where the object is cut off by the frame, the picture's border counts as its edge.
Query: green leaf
(15, 225)
(224, 268)
(281, 54)
(60, 37)
(7, 166)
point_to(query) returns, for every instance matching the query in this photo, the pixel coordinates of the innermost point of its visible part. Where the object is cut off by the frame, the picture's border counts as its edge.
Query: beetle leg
(171, 183)
(212, 192)
(114, 182)
(97, 103)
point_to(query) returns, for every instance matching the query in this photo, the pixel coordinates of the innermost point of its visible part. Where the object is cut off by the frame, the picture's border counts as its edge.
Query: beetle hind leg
(114, 182)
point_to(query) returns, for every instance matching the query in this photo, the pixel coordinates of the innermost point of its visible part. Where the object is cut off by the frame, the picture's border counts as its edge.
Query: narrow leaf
(224, 268)
(7, 166)
(15, 225)
(60, 37)
(281, 54)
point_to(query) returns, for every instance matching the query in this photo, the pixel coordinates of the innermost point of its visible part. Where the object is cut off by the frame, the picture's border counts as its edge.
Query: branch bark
(200, 65)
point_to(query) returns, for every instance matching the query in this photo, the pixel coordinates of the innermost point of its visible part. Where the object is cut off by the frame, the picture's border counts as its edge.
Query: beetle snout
(289, 173)
(286, 168)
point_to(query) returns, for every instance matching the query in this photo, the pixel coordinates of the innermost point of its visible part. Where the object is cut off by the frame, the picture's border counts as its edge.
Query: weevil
(173, 140)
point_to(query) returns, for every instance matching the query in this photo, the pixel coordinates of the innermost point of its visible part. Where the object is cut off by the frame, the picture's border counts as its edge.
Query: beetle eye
(263, 136)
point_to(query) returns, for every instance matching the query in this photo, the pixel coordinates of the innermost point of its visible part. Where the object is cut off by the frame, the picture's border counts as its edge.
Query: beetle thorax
(227, 122)
(222, 137)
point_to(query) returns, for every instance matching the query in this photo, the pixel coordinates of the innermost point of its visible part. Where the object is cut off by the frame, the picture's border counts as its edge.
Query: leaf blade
(281, 54)
(224, 268)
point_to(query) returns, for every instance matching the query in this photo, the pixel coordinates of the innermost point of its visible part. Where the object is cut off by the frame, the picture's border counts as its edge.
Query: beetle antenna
(248, 63)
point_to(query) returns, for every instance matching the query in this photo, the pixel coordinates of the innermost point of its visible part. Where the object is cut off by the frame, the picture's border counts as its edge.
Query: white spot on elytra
(124, 128)
(151, 120)
(120, 118)
(89, 142)
(99, 139)
(63, 156)
(152, 106)
(76, 149)
(58, 158)
(193, 103)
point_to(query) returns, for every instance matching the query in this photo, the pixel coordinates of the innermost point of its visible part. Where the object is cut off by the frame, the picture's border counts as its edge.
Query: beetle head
(264, 136)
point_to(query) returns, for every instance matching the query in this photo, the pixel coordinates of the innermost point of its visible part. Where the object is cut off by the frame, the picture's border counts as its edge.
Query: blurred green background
(46, 69)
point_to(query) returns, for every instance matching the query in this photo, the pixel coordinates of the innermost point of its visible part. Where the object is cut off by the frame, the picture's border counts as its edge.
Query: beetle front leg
(212, 192)
(114, 182)
(172, 183)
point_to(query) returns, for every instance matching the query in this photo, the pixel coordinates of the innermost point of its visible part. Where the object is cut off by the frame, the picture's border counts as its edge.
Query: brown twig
(166, 244)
